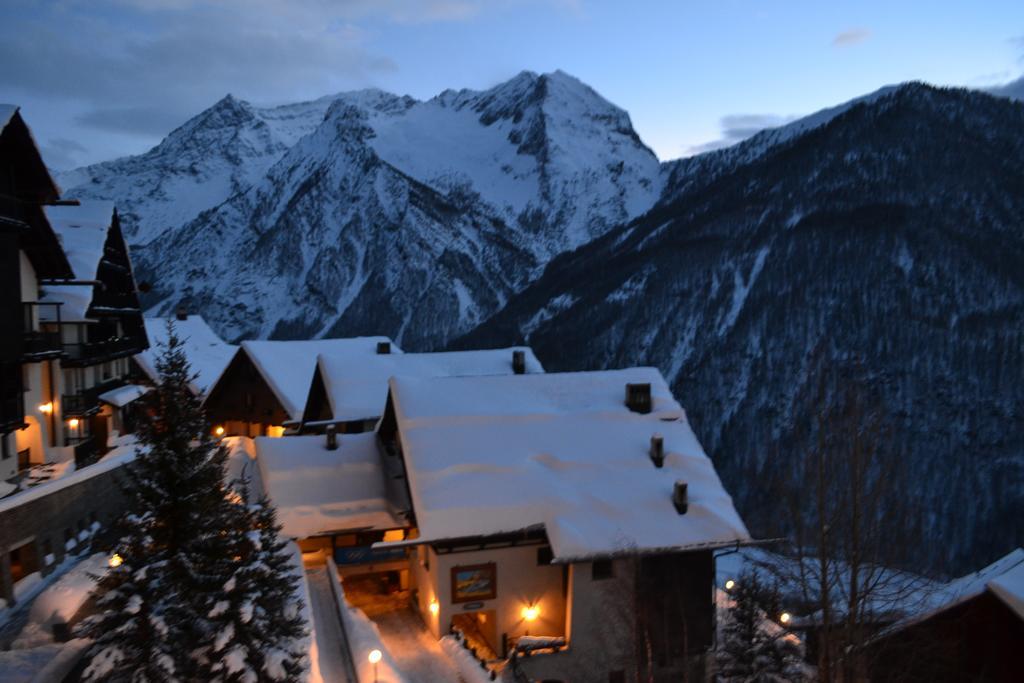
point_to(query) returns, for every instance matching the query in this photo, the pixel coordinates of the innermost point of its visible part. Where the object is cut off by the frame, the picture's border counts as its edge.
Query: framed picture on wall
(474, 582)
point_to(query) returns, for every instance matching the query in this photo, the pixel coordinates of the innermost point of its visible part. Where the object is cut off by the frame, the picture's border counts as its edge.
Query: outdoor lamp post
(374, 657)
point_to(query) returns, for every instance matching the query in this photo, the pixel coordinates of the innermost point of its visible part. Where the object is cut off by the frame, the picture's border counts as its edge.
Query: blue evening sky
(102, 78)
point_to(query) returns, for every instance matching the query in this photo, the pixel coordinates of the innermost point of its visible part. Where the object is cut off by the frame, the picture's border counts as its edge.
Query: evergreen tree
(154, 623)
(755, 649)
(257, 622)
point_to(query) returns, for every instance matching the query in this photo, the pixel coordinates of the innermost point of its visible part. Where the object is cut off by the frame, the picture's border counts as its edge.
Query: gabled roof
(317, 491)
(492, 455)
(39, 186)
(357, 386)
(287, 366)
(1004, 578)
(207, 353)
(82, 231)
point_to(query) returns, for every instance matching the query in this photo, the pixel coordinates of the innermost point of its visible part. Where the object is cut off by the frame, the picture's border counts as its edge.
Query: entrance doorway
(23, 561)
(481, 631)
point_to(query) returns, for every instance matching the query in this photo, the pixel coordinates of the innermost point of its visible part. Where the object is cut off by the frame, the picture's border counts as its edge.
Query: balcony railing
(86, 450)
(39, 344)
(86, 353)
(86, 402)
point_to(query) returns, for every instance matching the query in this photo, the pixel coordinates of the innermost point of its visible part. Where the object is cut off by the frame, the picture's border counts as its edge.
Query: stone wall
(38, 523)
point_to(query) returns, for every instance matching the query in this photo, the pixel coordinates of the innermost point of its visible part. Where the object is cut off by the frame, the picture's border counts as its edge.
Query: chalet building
(563, 524)
(350, 391)
(69, 321)
(971, 629)
(88, 390)
(263, 389)
(207, 353)
(29, 251)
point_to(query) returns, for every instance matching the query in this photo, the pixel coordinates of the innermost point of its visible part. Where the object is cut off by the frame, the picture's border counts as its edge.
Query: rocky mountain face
(879, 242)
(884, 246)
(373, 212)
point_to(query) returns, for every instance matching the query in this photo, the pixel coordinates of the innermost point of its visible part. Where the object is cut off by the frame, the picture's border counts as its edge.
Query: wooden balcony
(91, 353)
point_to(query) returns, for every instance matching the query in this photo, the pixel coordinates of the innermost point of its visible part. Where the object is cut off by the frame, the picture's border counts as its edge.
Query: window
(601, 570)
(544, 556)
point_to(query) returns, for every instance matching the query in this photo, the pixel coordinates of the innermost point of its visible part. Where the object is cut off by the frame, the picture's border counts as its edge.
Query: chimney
(519, 362)
(638, 398)
(679, 498)
(658, 450)
(181, 313)
(332, 437)
(383, 347)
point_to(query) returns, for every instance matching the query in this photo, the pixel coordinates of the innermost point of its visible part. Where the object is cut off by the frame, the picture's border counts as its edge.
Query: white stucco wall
(520, 582)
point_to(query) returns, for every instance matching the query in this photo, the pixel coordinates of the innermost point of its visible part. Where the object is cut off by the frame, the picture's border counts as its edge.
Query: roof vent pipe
(383, 348)
(679, 498)
(519, 362)
(181, 313)
(332, 437)
(658, 450)
(638, 397)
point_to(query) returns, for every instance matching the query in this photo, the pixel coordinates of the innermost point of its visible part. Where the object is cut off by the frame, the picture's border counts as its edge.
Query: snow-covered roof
(1004, 578)
(489, 455)
(357, 386)
(287, 366)
(122, 396)
(317, 491)
(207, 354)
(82, 231)
(970, 586)
(74, 299)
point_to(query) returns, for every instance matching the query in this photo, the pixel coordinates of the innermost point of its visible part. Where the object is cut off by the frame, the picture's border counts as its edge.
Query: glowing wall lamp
(434, 607)
(218, 430)
(530, 612)
(73, 423)
(785, 617)
(46, 408)
(115, 561)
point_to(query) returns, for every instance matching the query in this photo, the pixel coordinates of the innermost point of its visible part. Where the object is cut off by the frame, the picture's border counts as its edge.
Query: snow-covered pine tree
(257, 623)
(755, 649)
(154, 623)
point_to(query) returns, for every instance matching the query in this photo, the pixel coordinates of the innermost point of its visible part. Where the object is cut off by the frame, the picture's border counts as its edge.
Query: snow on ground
(469, 669)
(21, 666)
(26, 590)
(312, 673)
(330, 662)
(60, 601)
(417, 653)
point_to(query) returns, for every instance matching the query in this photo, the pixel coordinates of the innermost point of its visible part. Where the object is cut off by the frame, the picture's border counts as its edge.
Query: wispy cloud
(737, 128)
(853, 36)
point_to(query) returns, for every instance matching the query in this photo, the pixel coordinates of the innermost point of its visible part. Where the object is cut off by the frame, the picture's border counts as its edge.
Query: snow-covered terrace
(319, 491)
(491, 455)
(207, 353)
(287, 366)
(357, 386)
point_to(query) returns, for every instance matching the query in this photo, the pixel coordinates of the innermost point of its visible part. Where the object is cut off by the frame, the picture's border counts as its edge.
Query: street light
(115, 561)
(730, 584)
(374, 658)
(785, 617)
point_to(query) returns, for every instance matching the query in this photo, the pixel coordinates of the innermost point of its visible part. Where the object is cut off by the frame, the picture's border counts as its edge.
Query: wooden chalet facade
(29, 251)
(70, 313)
